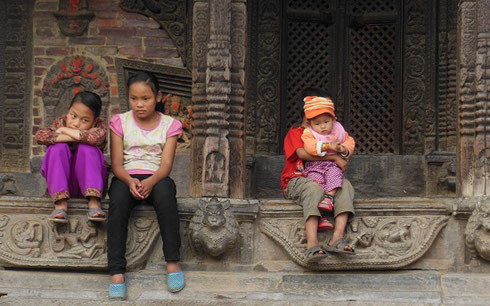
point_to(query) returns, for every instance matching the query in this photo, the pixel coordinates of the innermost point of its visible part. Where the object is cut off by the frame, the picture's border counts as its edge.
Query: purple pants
(73, 175)
(326, 173)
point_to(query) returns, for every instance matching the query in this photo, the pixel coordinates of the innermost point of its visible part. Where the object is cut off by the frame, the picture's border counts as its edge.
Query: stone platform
(41, 288)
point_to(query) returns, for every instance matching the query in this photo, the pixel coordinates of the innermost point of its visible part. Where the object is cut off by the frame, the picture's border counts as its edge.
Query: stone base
(392, 233)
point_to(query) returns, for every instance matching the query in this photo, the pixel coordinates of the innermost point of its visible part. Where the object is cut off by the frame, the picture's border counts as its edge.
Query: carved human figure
(213, 228)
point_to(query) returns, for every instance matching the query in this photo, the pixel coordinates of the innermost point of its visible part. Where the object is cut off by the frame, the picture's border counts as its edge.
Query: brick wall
(111, 33)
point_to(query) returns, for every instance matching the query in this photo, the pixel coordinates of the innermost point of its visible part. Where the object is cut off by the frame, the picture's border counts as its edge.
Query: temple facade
(408, 78)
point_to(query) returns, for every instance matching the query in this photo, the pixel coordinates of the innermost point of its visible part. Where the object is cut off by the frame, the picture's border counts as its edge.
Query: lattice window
(308, 5)
(373, 88)
(360, 6)
(307, 65)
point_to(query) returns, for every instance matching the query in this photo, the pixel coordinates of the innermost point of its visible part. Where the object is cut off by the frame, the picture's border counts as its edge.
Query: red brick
(119, 33)
(49, 41)
(57, 51)
(43, 61)
(44, 32)
(46, 6)
(148, 23)
(132, 16)
(113, 79)
(39, 71)
(118, 41)
(160, 33)
(104, 6)
(35, 111)
(106, 14)
(158, 42)
(111, 69)
(37, 92)
(108, 23)
(43, 15)
(108, 59)
(37, 150)
(114, 91)
(38, 121)
(86, 40)
(102, 50)
(35, 129)
(38, 51)
(45, 23)
(131, 51)
(160, 52)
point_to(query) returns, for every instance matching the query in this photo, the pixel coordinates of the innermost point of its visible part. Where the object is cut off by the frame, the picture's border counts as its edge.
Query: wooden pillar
(218, 144)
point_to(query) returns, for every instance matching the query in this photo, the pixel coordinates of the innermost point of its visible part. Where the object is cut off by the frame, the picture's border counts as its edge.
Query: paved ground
(258, 288)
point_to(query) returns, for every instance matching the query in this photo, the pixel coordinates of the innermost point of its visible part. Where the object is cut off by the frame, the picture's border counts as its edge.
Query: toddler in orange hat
(323, 135)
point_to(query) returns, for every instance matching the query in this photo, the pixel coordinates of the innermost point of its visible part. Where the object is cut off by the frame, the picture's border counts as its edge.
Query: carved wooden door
(353, 49)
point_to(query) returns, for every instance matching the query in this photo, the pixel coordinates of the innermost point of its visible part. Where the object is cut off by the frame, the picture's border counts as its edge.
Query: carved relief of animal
(213, 228)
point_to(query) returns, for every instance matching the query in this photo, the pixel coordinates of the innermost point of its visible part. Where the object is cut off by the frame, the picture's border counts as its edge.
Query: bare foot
(94, 202)
(61, 204)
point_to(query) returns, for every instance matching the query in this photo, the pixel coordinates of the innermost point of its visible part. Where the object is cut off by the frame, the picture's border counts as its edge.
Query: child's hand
(341, 162)
(337, 147)
(61, 130)
(146, 186)
(134, 186)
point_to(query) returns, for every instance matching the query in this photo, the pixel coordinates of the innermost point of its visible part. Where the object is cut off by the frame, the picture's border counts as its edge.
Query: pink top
(142, 148)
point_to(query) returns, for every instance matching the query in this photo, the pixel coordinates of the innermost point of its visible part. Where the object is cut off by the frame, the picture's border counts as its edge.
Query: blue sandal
(175, 281)
(117, 291)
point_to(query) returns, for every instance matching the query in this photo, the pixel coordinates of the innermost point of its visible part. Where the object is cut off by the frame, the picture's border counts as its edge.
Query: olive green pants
(308, 194)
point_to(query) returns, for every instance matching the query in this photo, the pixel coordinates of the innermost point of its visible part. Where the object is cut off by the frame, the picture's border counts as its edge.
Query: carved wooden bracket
(175, 17)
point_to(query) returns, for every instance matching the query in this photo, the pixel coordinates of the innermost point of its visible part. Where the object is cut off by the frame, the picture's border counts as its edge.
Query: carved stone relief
(477, 231)
(380, 242)
(68, 77)
(8, 185)
(15, 82)
(213, 229)
(33, 241)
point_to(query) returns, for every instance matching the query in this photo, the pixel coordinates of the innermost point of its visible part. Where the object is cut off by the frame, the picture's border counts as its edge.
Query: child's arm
(117, 148)
(337, 159)
(94, 136)
(167, 161)
(50, 135)
(311, 144)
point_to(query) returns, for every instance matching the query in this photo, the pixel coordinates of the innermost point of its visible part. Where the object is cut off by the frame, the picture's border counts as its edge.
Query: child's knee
(87, 149)
(59, 147)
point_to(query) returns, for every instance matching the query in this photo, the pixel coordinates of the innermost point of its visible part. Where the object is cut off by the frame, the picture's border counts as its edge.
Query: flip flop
(339, 247)
(313, 254)
(57, 212)
(92, 212)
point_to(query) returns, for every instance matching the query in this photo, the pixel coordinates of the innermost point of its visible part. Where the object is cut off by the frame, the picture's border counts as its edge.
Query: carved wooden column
(473, 98)
(218, 145)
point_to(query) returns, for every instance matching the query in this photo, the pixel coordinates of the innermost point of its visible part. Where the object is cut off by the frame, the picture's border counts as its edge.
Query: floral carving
(68, 77)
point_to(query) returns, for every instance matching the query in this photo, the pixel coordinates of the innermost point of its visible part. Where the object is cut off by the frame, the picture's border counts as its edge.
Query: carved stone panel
(477, 231)
(68, 77)
(33, 241)
(15, 84)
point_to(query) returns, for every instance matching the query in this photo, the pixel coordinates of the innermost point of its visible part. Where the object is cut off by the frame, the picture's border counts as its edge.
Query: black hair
(149, 79)
(90, 100)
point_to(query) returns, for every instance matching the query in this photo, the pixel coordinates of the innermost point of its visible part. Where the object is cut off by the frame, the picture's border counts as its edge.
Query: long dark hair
(149, 79)
(90, 100)
(310, 91)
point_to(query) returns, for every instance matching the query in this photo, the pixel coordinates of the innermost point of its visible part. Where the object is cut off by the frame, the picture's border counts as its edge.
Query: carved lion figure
(213, 228)
(478, 231)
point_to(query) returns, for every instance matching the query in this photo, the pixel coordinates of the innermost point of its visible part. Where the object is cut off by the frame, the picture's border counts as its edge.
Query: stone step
(254, 288)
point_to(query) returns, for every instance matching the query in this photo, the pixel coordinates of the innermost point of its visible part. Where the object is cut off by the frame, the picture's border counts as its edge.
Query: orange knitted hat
(315, 106)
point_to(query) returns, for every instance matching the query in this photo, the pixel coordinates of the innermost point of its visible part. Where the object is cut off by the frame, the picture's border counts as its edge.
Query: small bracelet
(346, 154)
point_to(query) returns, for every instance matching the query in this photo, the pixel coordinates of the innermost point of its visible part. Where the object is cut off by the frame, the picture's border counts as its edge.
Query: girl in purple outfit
(74, 163)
